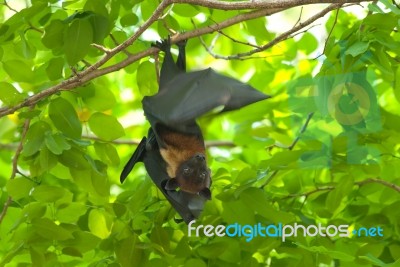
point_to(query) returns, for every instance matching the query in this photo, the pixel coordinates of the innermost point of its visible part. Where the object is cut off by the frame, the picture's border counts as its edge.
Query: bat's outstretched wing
(187, 96)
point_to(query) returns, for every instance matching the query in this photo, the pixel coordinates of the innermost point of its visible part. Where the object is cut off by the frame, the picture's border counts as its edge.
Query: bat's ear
(171, 184)
(206, 193)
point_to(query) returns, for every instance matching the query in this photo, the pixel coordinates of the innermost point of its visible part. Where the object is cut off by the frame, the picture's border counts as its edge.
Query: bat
(173, 151)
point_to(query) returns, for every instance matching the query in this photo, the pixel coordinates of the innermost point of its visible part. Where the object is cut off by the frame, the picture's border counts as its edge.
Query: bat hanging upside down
(185, 157)
(173, 151)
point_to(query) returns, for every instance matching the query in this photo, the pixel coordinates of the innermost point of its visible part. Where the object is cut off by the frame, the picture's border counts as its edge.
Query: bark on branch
(261, 8)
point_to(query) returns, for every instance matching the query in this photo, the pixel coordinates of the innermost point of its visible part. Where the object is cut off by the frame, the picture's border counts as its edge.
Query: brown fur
(180, 147)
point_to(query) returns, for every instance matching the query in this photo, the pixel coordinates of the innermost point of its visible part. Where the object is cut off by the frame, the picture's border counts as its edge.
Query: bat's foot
(163, 45)
(181, 44)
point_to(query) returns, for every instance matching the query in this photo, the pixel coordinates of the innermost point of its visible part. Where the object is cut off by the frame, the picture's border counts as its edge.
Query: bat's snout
(200, 157)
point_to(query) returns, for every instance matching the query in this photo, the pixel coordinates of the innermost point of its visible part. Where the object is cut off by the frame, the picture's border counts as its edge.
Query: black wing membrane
(135, 158)
(188, 96)
(187, 205)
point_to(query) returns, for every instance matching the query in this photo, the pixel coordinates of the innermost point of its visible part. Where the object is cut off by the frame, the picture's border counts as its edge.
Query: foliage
(64, 205)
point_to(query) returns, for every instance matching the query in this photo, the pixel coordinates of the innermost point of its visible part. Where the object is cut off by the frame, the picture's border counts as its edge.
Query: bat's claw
(182, 43)
(163, 45)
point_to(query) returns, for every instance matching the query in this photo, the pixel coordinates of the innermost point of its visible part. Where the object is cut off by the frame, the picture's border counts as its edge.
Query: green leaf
(100, 26)
(212, 250)
(71, 212)
(70, 251)
(9, 95)
(25, 48)
(54, 34)
(37, 257)
(185, 10)
(48, 193)
(396, 88)
(77, 40)
(101, 184)
(98, 97)
(99, 223)
(335, 196)
(18, 70)
(105, 126)
(47, 159)
(195, 262)
(83, 241)
(54, 68)
(237, 211)
(56, 143)
(357, 49)
(34, 210)
(147, 8)
(128, 252)
(146, 78)
(308, 43)
(49, 230)
(34, 138)
(107, 153)
(129, 19)
(64, 117)
(325, 251)
(19, 188)
(75, 159)
(159, 236)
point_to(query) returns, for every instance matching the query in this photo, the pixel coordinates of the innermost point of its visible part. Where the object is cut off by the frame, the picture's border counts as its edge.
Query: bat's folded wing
(189, 206)
(189, 95)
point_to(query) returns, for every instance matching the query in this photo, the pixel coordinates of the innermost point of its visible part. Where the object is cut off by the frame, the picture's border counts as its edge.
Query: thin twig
(11, 146)
(15, 166)
(282, 37)
(359, 183)
(306, 194)
(101, 48)
(302, 130)
(378, 181)
(116, 44)
(330, 32)
(227, 36)
(9, 7)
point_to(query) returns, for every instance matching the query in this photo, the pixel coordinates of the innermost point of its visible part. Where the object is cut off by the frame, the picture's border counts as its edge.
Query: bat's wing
(187, 96)
(135, 158)
(189, 206)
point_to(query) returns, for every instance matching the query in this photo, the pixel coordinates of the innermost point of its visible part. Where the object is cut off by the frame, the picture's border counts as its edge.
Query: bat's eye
(186, 170)
(203, 175)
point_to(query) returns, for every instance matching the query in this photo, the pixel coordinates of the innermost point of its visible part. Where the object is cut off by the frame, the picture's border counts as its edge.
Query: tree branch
(379, 181)
(359, 183)
(284, 36)
(265, 8)
(15, 166)
(258, 4)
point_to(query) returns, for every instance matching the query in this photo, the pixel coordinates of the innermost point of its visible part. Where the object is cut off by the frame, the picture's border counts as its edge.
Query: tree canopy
(324, 150)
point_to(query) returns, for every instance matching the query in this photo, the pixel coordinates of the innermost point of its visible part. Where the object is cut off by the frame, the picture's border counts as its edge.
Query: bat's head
(193, 176)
